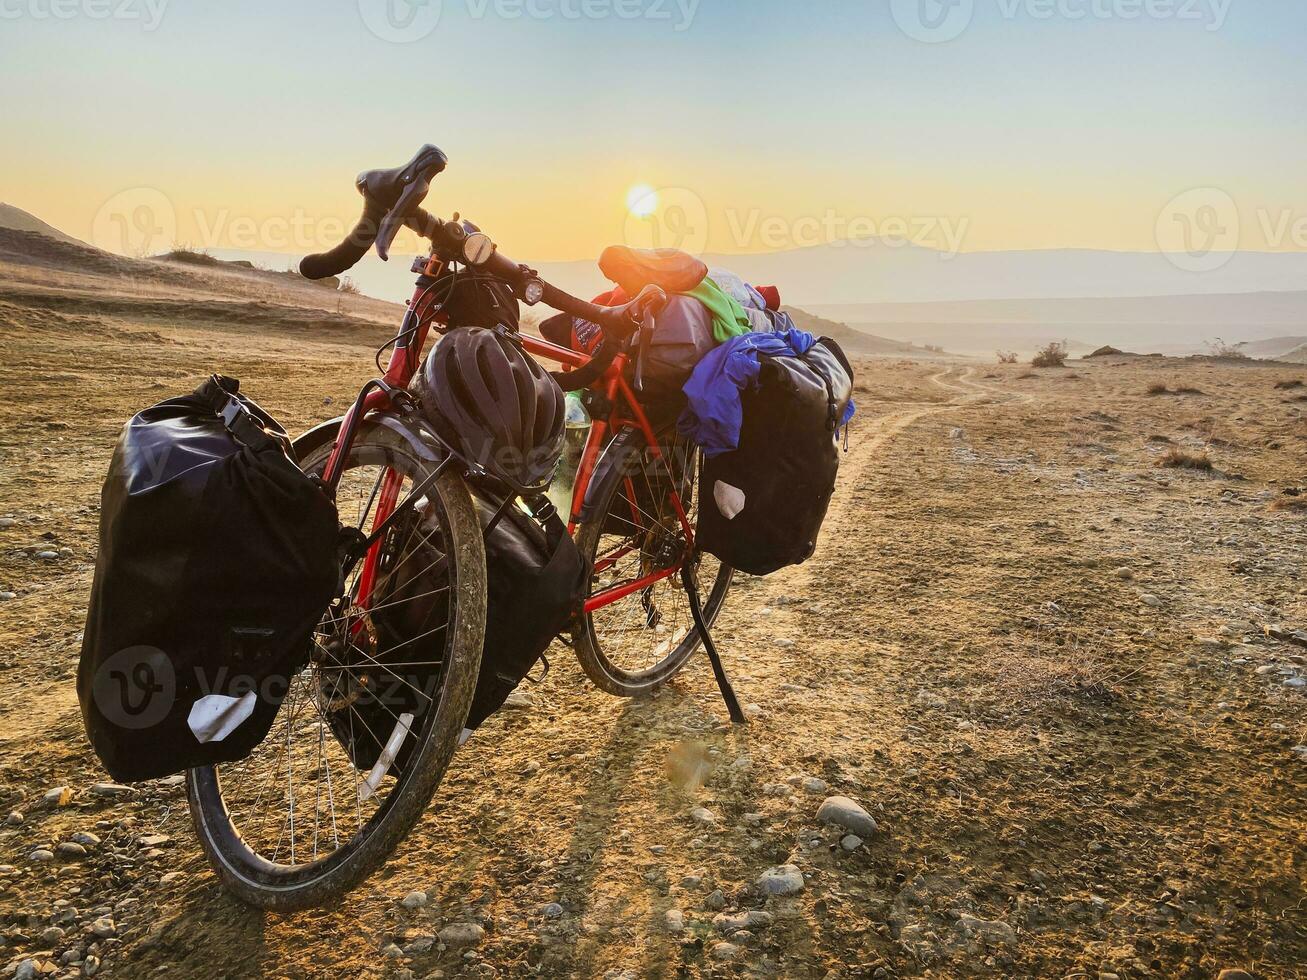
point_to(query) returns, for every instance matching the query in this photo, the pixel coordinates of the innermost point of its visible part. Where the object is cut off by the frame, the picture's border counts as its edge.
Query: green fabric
(728, 317)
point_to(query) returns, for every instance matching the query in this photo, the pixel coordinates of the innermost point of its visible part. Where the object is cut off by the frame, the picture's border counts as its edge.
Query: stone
(813, 785)
(26, 970)
(419, 945)
(153, 840)
(1296, 682)
(785, 879)
(41, 855)
(52, 936)
(14, 819)
(6, 596)
(703, 816)
(1300, 751)
(987, 930)
(414, 900)
(724, 951)
(1234, 974)
(86, 838)
(111, 789)
(751, 920)
(59, 796)
(391, 952)
(674, 920)
(850, 842)
(1150, 600)
(552, 911)
(840, 811)
(716, 900)
(91, 966)
(103, 928)
(69, 849)
(461, 934)
(519, 700)
(47, 555)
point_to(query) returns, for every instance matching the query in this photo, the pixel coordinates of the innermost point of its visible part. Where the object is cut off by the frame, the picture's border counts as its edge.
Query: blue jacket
(714, 415)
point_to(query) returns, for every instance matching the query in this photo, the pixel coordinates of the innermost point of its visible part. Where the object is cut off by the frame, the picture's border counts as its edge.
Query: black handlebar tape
(589, 372)
(347, 254)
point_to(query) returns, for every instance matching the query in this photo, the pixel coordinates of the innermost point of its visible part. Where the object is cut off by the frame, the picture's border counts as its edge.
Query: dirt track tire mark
(968, 391)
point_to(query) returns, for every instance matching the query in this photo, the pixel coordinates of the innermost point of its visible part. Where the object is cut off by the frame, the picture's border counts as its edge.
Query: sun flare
(642, 200)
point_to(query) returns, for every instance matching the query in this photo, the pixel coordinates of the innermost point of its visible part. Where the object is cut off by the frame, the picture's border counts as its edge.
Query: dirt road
(1034, 656)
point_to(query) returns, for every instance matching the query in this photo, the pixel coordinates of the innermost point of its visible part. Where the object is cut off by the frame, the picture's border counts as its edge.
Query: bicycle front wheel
(369, 725)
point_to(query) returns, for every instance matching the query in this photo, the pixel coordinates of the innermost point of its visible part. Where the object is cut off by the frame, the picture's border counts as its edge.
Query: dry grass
(1051, 355)
(1158, 388)
(1185, 460)
(1288, 385)
(1007, 357)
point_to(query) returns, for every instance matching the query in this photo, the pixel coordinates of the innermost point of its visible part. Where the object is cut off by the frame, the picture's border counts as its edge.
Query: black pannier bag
(217, 559)
(535, 579)
(764, 503)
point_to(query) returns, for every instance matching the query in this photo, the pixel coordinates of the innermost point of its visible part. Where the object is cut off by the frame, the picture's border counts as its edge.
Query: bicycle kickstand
(719, 672)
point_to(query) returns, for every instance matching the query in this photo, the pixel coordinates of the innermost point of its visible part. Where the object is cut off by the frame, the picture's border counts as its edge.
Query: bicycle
(405, 495)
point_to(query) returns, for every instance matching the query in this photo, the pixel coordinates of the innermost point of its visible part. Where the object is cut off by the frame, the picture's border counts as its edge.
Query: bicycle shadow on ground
(675, 733)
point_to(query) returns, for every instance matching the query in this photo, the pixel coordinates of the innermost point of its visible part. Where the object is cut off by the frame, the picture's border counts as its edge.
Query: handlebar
(392, 199)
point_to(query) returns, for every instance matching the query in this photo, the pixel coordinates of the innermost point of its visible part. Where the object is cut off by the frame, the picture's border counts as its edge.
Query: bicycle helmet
(494, 405)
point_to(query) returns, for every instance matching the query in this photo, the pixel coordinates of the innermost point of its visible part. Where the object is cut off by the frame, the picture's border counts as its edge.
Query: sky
(756, 125)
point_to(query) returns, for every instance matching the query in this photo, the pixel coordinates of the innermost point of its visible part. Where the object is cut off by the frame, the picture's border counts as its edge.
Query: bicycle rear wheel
(635, 645)
(369, 725)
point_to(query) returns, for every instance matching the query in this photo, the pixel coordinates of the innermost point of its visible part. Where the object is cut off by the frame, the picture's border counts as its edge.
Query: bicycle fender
(609, 468)
(425, 444)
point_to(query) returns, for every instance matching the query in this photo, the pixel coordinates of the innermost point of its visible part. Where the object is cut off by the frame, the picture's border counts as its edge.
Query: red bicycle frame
(627, 412)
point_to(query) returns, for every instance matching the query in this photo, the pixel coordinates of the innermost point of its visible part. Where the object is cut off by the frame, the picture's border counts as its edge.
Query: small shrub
(1007, 357)
(349, 286)
(1287, 385)
(1183, 460)
(1026, 374)
(1157, 388)
(1228, 352)
(191, 256)
(1051, 355)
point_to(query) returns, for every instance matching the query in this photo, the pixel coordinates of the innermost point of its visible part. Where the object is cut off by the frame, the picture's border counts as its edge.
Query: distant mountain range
(972, 302)
(1169, 324)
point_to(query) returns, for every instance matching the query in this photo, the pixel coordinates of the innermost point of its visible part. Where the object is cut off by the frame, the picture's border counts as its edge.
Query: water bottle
(578, 432)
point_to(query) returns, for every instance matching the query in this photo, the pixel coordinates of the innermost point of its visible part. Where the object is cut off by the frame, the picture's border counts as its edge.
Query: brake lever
(407, 205)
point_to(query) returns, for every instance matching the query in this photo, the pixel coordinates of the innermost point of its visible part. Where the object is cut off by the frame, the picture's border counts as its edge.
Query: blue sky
(1071, 129)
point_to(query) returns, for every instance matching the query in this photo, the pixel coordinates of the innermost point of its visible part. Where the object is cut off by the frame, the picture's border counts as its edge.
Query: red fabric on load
(590, 342)
(772, 295)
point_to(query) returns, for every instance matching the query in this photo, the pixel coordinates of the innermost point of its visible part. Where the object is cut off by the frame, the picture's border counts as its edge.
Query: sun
(642, 200)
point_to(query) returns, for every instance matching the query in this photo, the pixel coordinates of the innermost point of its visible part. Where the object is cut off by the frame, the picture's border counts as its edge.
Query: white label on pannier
(730, 500)
(215, 716)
